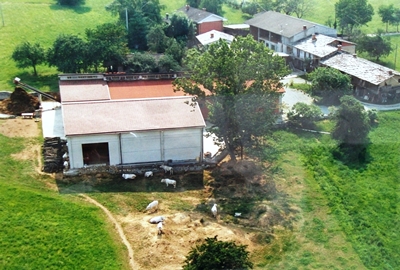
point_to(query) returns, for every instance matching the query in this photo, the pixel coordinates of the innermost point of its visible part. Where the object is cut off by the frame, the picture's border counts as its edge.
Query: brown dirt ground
(181, 229)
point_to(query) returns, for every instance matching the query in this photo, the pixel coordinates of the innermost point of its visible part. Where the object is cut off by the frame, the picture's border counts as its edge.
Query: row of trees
(390, 15)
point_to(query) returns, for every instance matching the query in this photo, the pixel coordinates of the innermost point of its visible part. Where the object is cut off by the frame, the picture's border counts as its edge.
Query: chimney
(339, 47)
(390, 72)
(166, 16)
(212, 35)
(355, 55)
(314, 38)
(304, 27)
(187, 7)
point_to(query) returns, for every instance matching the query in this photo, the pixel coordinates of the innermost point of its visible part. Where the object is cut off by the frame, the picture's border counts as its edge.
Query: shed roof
(213, 36)
(279, 23)
(142, 89)
(199, 15)
(319, 47)
(361, 68)
(83, 90)
(115, 116)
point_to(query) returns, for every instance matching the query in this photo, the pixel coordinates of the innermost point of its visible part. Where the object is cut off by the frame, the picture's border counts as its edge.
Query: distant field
(42, 21)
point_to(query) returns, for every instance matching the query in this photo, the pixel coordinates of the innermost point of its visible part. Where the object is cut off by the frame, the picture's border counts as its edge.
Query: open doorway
(95, 153)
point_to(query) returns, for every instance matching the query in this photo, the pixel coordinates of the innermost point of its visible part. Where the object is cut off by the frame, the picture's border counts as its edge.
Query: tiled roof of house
(83, 90)
(213, 36)
(361, 68)
(199, 15)
(320, 46)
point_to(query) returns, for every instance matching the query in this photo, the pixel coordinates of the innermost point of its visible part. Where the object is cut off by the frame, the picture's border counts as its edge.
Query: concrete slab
(52, 123)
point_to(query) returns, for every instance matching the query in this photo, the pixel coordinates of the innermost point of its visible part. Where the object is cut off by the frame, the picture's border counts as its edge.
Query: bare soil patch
(19, 127)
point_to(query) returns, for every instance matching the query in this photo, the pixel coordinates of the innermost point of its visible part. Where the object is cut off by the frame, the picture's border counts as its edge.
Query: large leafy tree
(29, 55)
(213, 6)
(215, 254)
(353, 13)
(330, 84)
(352, 127)
(156, 39)
(68, 54)
(241, 80)
(180, 27)
(107, 45)
(375, 46)
(386, 12)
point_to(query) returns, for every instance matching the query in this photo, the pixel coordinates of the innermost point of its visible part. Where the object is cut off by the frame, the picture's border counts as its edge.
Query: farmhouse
(205, 21)
(372, 82)
(121, 119)
(280, 32)
(213, 36)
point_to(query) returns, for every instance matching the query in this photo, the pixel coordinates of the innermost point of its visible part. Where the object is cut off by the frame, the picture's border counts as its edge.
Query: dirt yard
(181, 229)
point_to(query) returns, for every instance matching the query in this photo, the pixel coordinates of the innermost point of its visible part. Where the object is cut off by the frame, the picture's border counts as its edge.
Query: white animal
(214, 210)
(148, 174)
(129, 175)
(169, 182)
(153, 205)
(238, 214)
(160, 227)
(65, 156)
(156, 220)
(66, 165)
(167, 169)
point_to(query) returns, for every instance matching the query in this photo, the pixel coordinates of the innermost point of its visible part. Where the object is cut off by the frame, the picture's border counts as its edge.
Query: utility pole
(126, 18)
(395, 56)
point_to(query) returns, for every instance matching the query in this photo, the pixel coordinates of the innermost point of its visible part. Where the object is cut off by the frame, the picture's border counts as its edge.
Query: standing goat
(167, 169)
(159, 228)
(148, 174)
(214, 210)
(152, 206)
(169, 182)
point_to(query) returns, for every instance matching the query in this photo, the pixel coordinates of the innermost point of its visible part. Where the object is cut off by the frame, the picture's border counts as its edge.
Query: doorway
(95, 154)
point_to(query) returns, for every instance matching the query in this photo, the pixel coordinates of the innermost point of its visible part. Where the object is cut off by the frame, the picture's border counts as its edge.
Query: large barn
(119, 120)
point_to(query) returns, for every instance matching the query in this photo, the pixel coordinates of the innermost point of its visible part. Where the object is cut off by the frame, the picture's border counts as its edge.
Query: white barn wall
(139, 147)
(183, 144)
(75, 148)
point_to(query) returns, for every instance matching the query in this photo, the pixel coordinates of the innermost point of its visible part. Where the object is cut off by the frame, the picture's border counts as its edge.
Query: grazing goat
(159, 228)
(153, 205)
(65, 156)
(156, 220)
(169, 182)
(167, 169)
(66, 165)
(129, 175)
(214, 210)
(148, 174)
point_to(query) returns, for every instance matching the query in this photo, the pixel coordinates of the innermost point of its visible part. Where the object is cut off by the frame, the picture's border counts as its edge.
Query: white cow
(169, 182)
(152, 206)
(148, 174)
(129, 176)
(167, 169)
(214, 210)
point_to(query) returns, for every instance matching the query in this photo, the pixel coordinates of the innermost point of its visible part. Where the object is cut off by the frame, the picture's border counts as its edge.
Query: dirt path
(118, 227)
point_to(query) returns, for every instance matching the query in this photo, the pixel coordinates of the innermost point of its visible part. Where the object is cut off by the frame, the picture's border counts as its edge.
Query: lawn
(43, 230)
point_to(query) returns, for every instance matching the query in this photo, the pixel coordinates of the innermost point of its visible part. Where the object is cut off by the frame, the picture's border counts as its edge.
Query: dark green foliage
(180, 27)
(156, 39)
(29, 55)
(67, 54)
(71, 2)
(304, 115)
(375, 46)
(240, 110)
(353, 13)
(215, 254)
(329, 84)
(250, 8)
(213, 6)
(176, 50)
(140, 63)
(137, 31)
(167, 63)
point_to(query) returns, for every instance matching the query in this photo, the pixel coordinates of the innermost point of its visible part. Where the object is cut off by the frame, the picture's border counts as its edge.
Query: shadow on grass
(45, 83)
(90, 184)
(77, 9)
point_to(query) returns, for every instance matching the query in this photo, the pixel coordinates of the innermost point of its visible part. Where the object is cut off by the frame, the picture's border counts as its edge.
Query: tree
(175, 49)
(156, 39)
(353, 13)
(107, 45)
(71, 2)
(299, 7)
(396, 18)
(141, 62)
(67, 54)
(351, 128)
(330, 84)
(180, 27)
(29, 55)
(167, 63)
(241, 80)
(215, 254)
(375, 46)
(213, 6)
(387, 14)
(304, 115)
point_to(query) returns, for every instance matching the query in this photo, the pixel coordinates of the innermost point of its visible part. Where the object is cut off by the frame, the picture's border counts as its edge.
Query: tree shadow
(77, 9)
(45, 83)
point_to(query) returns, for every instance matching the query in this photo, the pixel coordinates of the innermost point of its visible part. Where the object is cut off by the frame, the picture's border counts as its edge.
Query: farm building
(205, 21)
(120, 119)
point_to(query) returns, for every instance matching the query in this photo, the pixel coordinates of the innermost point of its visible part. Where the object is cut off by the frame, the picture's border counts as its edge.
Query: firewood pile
(53, 150)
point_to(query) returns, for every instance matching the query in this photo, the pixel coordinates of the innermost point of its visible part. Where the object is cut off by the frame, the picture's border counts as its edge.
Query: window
(95, 153)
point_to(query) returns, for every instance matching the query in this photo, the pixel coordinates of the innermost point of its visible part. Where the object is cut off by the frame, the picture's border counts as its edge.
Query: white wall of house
(142, 146)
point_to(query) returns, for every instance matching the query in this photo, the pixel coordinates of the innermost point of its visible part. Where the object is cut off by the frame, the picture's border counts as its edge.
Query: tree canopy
(241, 80)
(29, 55)
(375, 46)
(215, 254)
(353, 13)
(330, 84)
